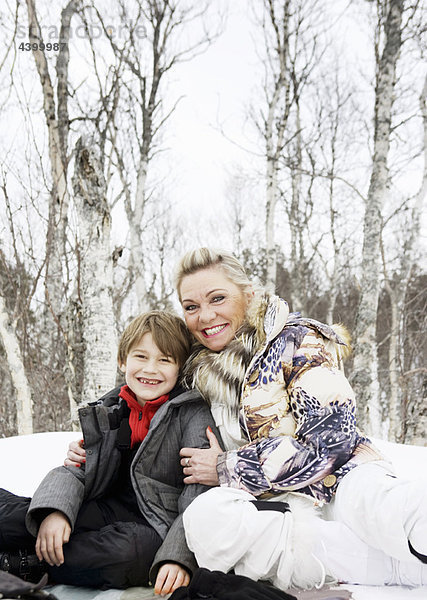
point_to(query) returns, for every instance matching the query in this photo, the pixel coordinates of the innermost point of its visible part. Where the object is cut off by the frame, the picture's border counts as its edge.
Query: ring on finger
(187, 462)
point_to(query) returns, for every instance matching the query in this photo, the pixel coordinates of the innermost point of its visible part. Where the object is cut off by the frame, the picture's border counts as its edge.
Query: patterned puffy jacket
(283, 405)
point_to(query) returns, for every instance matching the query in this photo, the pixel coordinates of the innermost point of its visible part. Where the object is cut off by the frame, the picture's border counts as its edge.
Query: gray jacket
(156, 472)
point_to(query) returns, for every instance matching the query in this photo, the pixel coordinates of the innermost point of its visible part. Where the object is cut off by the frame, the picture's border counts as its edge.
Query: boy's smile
(149, 381)
(148, 372)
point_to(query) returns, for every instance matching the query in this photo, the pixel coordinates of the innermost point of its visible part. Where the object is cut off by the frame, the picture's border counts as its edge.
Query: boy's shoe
(15, 587)
(26, 566)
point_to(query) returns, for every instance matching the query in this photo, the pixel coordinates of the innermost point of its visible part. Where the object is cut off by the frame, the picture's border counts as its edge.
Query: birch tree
(397, 288)
(57, 123)
(55, 109)
(290, 55)
(277, 89)
(128, 113)
(94, 224)
(331, 150)
(14, 356)
(16, 291)
(365, 376)
(24, 403)
(146, 62)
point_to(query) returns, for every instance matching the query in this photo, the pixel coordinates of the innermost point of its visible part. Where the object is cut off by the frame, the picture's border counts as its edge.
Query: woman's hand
(76, 454)
(170, 577)
(200, 464)
(54, 532)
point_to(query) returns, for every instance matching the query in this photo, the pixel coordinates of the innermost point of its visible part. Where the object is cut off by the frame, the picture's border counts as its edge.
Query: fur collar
(219, 376)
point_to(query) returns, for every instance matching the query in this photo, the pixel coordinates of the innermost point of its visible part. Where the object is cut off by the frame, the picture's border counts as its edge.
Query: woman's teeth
(214, 330)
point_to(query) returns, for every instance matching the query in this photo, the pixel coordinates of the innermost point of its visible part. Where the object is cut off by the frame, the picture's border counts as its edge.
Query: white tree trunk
(270, 245)
(135, 216)
(365, 375)
(277, 42)
(395, 413)
(94, 223)
(297, 225)
(24, 403)
(397, 293)
(59, 201)
(57, 122)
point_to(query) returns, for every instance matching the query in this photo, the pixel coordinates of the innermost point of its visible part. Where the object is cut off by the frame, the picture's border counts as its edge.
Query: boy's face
(149, 373)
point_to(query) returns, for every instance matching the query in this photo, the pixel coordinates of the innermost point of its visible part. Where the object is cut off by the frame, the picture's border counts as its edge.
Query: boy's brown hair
(169, 332)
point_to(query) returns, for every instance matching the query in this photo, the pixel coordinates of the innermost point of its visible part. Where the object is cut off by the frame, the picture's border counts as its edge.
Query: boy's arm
(174, 547)
(170, 577)
(54, 532)
(65, 488)
(62, 489)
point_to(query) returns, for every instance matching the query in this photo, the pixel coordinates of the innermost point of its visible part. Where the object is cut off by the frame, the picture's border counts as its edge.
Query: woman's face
(214, 307)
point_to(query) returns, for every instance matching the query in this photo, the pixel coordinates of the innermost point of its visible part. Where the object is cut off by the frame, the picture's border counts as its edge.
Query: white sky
(219, 86)
(216, 86)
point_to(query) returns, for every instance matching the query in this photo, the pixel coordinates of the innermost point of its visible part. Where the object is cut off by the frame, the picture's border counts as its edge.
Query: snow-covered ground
(24, 460)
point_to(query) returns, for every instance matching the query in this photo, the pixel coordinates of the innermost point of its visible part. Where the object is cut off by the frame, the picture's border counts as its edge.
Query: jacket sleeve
(321, 402)
(174, 547)
(62, 489)
(65, 488)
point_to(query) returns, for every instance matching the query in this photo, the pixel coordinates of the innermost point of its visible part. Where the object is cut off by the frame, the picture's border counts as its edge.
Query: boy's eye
(141, 356)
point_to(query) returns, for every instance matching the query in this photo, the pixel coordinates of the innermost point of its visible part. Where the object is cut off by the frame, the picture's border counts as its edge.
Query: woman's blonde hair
(204, 258)
(169, 332)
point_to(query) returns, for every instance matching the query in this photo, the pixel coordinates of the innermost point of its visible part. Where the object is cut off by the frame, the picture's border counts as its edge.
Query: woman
(286, 414)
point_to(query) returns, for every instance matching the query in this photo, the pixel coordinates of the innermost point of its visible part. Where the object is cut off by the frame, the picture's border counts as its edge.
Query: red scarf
(140, 416)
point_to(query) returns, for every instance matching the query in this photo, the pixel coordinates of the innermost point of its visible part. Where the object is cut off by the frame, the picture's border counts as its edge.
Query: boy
(116, 521)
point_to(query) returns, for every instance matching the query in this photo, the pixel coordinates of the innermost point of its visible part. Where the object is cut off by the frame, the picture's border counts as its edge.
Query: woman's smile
(211, 331)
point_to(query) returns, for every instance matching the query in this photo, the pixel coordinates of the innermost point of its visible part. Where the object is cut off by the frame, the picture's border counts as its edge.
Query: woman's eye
(218, 298)
(190, 307)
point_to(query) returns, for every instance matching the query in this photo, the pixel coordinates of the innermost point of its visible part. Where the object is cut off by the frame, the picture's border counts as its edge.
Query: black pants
(110, 547)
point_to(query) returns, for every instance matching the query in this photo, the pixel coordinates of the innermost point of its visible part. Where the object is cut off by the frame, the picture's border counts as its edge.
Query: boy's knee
(117, 556)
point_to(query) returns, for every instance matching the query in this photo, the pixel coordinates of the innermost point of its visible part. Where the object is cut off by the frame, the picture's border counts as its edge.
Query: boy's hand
(54, 532)
(76, 454)
(170, 577)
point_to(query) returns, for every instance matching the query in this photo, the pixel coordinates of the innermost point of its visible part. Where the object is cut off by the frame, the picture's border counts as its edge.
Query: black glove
(214, 585)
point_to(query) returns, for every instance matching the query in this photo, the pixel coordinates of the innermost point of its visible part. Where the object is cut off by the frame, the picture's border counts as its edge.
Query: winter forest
(292, 132)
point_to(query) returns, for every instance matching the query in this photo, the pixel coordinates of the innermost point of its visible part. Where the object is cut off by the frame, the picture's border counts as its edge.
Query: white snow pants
(225, 531)
(383, 510)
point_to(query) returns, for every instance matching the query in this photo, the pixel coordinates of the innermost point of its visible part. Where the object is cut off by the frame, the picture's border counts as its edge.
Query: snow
(25, 460)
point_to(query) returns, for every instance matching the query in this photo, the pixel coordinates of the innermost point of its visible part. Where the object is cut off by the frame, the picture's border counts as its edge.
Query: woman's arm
(322, 403)
(199, 465)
